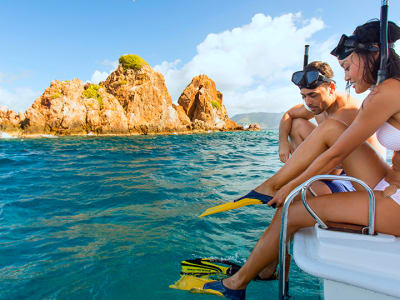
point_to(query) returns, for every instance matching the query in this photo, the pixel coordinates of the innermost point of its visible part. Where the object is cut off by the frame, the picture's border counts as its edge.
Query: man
(321, 101)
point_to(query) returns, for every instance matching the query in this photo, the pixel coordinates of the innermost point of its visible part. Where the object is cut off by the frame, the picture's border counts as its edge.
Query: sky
(249, 48)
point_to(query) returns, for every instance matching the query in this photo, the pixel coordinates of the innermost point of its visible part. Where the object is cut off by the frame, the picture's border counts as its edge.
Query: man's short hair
(320, 66)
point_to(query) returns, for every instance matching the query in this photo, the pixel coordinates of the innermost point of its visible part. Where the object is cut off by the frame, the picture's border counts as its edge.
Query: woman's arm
(377, 108)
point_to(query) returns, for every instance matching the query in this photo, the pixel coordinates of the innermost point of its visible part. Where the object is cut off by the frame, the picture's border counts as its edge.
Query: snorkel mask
(348, 44)
(310, 79)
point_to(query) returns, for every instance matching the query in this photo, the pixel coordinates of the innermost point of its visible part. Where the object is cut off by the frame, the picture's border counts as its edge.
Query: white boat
(351, 265)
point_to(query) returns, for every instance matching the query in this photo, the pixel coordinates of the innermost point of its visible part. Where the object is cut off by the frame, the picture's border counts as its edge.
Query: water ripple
(112, 217)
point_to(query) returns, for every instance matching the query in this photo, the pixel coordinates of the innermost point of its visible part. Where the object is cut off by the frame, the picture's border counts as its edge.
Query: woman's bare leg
(319, 188)
(328, 208)
(362, 163)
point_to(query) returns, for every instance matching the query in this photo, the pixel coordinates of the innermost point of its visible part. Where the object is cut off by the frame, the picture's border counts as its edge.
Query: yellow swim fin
(189, 282)
(229, 206)
(208, 266)
(251, 198)
(194, 284)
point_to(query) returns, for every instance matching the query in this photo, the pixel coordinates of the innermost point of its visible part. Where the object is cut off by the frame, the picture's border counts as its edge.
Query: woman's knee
(333, 125)
(298, 217)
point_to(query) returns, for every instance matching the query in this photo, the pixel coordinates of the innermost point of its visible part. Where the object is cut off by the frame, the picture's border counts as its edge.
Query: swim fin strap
(251, 198)
(208, 266)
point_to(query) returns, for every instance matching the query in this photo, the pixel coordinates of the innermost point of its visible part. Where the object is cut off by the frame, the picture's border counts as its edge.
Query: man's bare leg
(300, 130)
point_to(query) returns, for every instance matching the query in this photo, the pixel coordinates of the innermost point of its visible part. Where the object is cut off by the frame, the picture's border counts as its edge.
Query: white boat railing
(283, 246)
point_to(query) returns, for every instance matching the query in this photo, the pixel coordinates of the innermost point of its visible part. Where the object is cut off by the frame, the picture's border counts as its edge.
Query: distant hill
(264, 119)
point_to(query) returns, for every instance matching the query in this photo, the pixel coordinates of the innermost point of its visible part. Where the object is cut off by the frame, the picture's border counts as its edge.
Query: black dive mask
(348, 44)
(309, 79)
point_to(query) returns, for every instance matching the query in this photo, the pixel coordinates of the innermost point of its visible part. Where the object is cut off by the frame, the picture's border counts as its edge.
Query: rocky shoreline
(133, 100)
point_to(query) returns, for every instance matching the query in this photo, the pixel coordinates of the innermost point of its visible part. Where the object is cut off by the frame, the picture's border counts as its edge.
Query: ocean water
(112, 217)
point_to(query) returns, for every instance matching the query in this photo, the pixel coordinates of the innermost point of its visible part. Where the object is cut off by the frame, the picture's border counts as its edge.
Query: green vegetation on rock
(93, 92)
(122, 82)
(132, 61)
(55, 96)
(215, 104)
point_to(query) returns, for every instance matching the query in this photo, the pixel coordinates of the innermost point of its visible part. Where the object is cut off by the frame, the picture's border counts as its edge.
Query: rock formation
(9, 120)
(202, 103)
(145, 99)
(132, 100)
(254, 127)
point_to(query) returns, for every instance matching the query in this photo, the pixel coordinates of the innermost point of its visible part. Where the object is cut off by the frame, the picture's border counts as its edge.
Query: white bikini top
(389, 136)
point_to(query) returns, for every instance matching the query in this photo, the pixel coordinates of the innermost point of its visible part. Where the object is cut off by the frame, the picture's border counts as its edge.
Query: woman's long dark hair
(369, 33)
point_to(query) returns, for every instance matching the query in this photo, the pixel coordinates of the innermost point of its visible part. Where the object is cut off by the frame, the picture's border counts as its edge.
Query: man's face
(316, 99)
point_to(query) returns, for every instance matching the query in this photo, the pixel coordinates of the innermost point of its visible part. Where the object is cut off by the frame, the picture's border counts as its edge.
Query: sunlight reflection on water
(112, 217)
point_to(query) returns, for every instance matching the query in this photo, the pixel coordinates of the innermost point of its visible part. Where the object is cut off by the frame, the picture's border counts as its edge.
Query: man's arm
(285, 126)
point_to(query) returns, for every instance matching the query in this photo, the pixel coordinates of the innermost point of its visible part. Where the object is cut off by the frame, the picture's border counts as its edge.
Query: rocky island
(132, 100)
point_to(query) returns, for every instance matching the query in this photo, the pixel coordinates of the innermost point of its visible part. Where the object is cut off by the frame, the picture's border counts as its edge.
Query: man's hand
(284, 151)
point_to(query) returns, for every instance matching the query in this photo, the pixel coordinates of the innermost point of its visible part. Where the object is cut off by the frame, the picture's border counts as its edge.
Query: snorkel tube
(384, 42)
(305, 62)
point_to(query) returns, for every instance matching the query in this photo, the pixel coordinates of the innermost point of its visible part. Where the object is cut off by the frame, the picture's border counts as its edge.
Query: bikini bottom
(384, 184)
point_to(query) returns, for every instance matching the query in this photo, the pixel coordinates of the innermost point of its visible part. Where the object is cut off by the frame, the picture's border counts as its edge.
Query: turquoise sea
(112, 217)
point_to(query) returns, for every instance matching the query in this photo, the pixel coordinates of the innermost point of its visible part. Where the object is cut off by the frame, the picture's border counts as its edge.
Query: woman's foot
(253, 195)
(266, 188)
(218, 288)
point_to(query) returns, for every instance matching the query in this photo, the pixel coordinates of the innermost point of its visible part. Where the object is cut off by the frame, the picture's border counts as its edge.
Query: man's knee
(301, 128)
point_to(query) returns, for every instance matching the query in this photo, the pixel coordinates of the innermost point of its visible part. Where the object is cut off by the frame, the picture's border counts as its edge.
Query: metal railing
(289, 199)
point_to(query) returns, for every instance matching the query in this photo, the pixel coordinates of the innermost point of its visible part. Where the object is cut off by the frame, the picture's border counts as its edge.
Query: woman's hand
(281, 195)
(393, 177)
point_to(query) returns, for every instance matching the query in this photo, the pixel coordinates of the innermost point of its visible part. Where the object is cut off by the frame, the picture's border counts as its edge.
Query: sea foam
(5, 135)
(50, 136)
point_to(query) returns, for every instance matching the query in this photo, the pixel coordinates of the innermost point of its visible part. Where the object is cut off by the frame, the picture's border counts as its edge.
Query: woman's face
(353, 67)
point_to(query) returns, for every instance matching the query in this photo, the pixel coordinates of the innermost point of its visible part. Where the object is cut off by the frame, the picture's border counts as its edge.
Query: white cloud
(111, 63)
(251, 65)
(18, 76)
(19, 99)
(98, 76)
(261, 98)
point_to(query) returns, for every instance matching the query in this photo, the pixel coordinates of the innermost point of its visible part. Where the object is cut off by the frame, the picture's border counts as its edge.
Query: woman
(328, 146)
